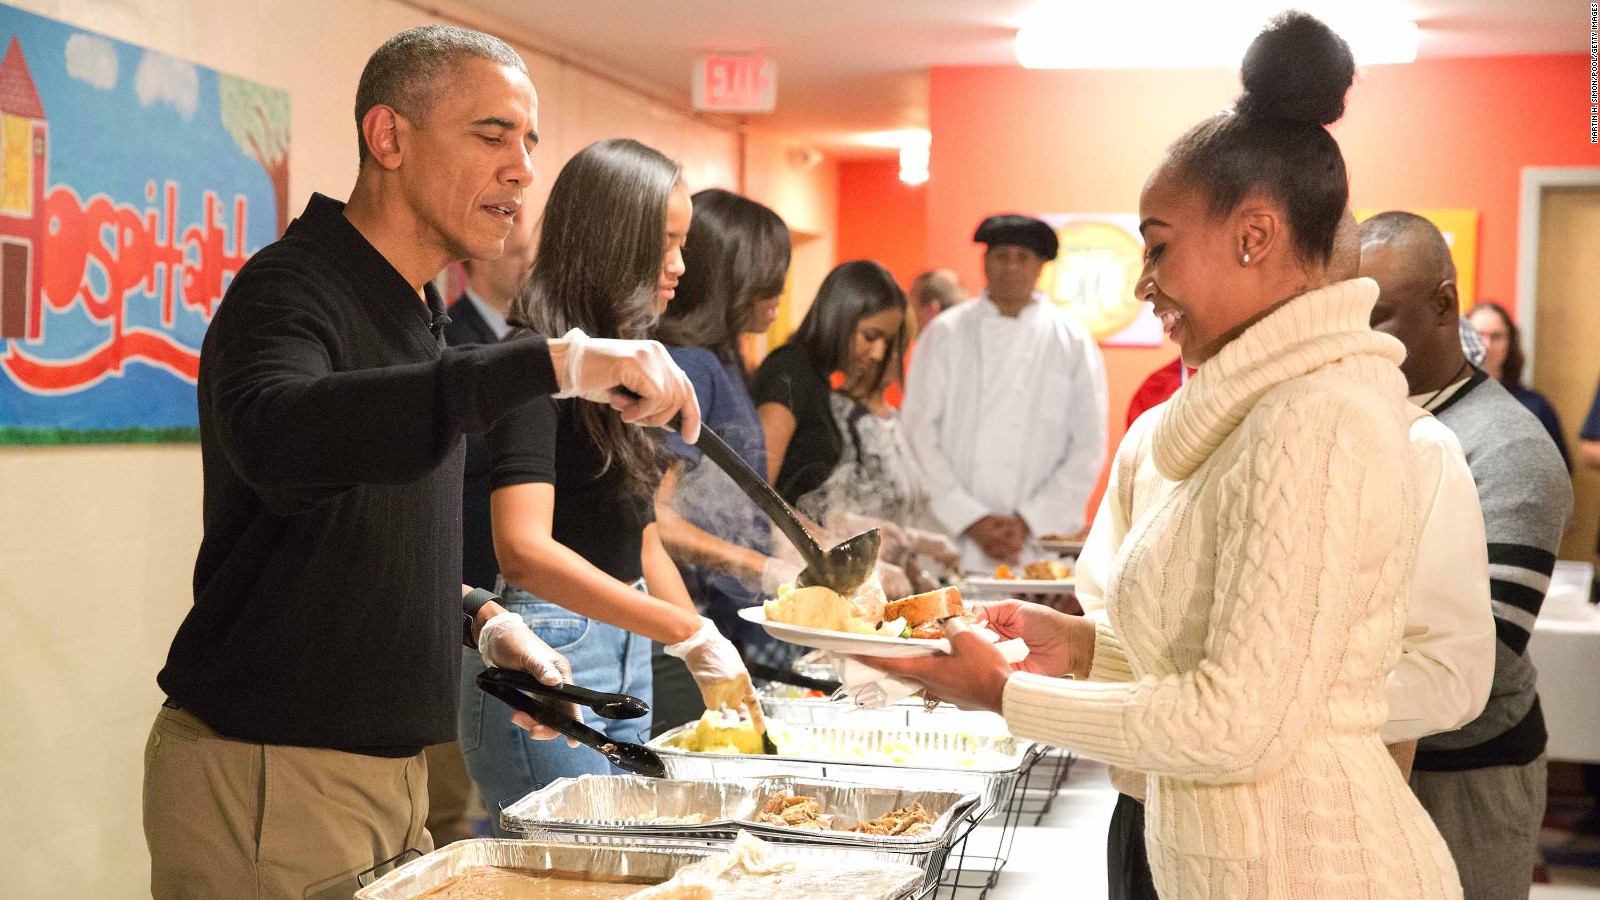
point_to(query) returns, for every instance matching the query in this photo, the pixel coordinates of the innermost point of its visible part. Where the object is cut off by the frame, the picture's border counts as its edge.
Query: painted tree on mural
(257, 117)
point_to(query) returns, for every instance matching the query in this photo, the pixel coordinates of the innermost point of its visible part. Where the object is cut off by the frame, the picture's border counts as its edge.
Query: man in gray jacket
(1484, 783)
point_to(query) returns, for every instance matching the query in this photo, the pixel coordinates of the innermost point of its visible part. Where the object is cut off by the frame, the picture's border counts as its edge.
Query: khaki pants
(452, 797)
(227, 818)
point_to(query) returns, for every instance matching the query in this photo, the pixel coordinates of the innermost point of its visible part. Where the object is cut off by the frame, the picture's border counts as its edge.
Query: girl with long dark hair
(573, 518)
(839, 454)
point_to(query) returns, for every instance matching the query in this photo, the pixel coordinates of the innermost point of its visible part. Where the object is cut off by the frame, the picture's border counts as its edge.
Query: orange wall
(1437, 133)
(881, 218)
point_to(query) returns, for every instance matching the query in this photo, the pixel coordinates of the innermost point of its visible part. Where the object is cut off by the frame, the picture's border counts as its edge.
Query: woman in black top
(573, 516)
(836, 454)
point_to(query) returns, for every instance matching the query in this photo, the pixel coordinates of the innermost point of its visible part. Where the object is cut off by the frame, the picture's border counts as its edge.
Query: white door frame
(1535, 179)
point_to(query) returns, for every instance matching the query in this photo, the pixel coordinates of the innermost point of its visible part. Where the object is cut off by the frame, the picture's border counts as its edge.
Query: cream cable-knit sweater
(1255, 611)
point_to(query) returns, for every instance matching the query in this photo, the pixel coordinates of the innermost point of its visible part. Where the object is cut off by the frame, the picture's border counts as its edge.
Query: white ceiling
(851, 66)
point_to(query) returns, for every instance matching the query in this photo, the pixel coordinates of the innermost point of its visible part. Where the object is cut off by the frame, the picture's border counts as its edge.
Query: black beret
(1019, 231)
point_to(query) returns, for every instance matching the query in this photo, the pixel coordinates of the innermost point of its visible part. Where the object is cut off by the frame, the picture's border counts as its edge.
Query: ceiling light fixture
(913, 146)
(894, 140)
(1118, 38)
(914, 163)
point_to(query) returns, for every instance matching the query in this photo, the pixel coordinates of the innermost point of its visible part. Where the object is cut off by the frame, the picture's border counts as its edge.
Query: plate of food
(862, 624)
(1061, 544)
(1043, 577)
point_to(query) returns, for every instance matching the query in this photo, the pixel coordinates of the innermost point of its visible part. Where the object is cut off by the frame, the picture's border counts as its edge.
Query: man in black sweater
(321, 656)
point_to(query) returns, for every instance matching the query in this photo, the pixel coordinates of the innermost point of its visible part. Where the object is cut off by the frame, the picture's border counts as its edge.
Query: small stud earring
(1247, 259)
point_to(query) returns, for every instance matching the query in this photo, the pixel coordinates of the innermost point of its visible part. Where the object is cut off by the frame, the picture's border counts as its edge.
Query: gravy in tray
(497, 883)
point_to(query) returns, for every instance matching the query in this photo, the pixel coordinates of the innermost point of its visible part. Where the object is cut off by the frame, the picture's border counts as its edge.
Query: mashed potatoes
(719, 733)
(818, 607)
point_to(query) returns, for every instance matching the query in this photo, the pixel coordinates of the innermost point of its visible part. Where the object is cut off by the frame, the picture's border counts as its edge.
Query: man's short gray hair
(404, 73)
(1431, 251)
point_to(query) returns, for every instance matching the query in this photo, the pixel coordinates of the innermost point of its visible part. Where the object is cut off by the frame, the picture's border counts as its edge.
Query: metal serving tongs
(513, 688)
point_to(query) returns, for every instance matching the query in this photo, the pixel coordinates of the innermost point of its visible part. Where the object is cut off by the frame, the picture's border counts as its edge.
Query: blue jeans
(504, 762)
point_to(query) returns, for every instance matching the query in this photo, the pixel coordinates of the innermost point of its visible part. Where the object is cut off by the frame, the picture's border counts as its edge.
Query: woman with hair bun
(1264, 524)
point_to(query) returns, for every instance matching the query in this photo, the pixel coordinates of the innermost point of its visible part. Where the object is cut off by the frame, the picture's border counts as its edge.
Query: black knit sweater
(327, 599)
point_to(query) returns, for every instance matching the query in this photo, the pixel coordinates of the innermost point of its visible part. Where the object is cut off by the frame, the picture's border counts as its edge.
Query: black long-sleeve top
(327, 600)
(597, 515)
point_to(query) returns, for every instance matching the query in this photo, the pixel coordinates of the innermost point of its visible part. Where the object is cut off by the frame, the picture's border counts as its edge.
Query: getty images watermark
(1594, 73)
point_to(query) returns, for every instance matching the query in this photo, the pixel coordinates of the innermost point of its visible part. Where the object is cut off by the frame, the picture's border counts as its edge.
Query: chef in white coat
(1005, 406)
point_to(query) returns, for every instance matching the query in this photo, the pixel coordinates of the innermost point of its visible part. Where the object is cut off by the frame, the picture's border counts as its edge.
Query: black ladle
(629, 757)
(842, 567)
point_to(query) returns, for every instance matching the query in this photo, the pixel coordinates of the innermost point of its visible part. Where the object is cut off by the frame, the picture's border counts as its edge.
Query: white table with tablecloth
(1565, 648)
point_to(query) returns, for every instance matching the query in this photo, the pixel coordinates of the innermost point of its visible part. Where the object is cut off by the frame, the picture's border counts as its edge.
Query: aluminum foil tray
(843, 753)
(822, 873)
(621, 805)
(908, 714)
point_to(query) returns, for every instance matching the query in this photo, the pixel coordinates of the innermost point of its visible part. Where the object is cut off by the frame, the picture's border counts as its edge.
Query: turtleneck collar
(1305, 334)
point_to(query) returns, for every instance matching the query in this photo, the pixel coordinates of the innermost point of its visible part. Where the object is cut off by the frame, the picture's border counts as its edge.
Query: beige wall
(808, 200)
(97, 544)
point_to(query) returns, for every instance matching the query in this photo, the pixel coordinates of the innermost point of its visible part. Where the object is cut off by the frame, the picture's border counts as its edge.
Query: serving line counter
(867, 772)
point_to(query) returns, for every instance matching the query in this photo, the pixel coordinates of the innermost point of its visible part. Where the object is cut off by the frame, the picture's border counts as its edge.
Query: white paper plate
(982, 588)
(1014, 650)
(843, 642)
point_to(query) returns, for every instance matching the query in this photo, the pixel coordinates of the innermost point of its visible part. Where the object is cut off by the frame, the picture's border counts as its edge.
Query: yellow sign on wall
(1094, 275)
(1460, 230)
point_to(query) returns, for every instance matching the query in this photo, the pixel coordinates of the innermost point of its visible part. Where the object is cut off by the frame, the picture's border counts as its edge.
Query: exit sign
(736, 84)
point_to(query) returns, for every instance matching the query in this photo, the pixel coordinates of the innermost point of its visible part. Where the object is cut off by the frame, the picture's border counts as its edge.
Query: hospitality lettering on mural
(117, 244)
(138, 256)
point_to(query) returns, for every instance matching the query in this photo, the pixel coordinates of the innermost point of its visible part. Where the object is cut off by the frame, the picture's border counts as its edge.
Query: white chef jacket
(1446, 666)
(1007, 416)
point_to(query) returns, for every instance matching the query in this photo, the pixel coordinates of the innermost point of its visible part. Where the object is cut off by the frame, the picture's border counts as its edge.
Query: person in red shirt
(1157, 387)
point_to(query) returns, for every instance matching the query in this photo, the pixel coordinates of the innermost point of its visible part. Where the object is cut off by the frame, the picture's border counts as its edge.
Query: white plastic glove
(709, 655)
(596, 368)
(937, 546)
(715, 665)
(506, 642)
(777, 572)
